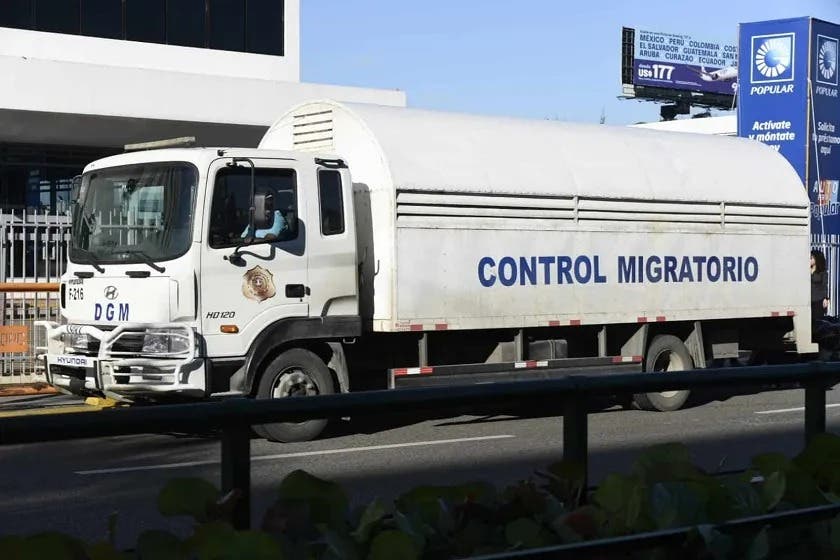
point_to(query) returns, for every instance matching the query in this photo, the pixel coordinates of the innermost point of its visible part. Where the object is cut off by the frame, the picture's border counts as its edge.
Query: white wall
(55, 47)
(32, 84)
(151, 90)
(726, 125)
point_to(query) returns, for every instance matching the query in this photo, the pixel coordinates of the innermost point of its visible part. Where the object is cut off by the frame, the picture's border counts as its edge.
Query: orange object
(28, 287)
(25, 390)
(14, 339)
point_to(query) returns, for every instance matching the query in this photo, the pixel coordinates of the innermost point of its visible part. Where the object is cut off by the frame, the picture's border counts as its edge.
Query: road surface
(74, 486)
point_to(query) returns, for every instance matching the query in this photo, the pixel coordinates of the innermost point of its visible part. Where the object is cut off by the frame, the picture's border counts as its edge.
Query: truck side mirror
(76, 195)
(292, 222)
(76, 190)
(263, 214)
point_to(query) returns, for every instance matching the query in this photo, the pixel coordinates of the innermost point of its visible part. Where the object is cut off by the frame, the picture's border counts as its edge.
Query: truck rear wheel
(666, 354)
(294, 373)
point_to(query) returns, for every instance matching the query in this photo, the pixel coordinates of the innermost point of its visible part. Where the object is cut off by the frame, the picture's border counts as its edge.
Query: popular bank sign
(824, 150)
(788, 99)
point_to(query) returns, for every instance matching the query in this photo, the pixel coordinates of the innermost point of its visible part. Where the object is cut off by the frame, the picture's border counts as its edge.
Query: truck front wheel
(294, 373)
(666, 354)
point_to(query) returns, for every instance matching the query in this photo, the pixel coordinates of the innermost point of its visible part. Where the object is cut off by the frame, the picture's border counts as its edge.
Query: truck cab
(186, 264)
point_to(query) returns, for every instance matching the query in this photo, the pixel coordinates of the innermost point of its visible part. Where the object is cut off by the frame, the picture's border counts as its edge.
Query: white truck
(368, 247)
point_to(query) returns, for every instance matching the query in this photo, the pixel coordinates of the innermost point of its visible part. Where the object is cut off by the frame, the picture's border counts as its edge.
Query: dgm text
(111, 311)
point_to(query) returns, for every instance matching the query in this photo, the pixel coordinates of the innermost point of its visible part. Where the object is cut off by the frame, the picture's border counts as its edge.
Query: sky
(556, 59)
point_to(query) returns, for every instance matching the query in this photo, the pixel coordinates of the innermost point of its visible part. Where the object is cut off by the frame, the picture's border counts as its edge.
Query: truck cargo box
(472, 222)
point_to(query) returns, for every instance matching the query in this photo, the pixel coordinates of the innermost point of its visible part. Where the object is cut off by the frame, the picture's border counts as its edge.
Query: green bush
(312, 518)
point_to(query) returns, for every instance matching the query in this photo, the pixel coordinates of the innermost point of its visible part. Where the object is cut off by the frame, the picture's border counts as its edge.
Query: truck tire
(295, 372)
(666, 354)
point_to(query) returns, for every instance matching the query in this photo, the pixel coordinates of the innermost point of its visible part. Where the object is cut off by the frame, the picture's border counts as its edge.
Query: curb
(27, 390)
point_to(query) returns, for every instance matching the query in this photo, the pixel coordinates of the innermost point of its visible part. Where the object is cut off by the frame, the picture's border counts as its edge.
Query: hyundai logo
(773, 57)
(111, 293)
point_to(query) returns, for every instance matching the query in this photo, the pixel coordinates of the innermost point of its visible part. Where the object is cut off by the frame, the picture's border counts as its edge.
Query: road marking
(797, 409)
(295, 455)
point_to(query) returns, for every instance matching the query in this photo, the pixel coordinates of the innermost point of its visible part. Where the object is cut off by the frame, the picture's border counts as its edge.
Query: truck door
(251, 281)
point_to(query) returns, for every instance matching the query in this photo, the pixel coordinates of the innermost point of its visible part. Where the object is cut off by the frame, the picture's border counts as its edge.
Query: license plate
(76, 293)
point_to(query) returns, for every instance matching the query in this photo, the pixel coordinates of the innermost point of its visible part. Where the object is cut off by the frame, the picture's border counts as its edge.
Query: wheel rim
(667, 362)
(293, 382)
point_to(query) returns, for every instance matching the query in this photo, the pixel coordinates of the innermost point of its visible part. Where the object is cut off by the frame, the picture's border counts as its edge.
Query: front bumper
(119, 374)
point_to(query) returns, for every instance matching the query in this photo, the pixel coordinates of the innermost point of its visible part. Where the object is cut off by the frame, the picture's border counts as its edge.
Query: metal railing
(830, 246)
(23, 305)
(571, 394)
(33, 256)
(34, 246)
(643, 541)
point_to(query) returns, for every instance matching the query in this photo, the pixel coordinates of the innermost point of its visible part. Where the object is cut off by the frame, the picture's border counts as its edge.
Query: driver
(278, 223)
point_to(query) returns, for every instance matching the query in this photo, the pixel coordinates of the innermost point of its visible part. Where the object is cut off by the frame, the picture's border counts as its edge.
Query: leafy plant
(312, 519)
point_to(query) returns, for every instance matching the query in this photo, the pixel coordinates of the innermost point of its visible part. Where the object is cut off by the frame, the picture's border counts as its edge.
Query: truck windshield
(134, 213)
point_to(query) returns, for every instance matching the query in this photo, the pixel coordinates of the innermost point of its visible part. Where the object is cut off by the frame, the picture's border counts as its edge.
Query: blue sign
(683, 62)
(824, 155)
(773, 87)
(636, 269)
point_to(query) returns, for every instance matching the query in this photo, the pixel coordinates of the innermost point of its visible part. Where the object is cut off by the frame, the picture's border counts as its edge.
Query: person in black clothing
(819, 286)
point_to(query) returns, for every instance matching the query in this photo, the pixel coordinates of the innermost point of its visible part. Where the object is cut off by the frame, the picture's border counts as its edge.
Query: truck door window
(231, 206)
(332, 207)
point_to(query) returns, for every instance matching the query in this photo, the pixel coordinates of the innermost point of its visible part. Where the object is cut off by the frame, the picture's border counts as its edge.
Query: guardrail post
(814, 410)
(576, 434)
(423, 350)
(236, 472)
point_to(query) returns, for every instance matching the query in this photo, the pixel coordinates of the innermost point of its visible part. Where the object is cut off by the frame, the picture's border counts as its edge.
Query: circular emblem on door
(111, 293)
(258, 284)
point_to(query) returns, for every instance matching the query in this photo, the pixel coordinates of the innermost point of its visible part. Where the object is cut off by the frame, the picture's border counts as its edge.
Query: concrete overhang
(71, 103)
(38, 127)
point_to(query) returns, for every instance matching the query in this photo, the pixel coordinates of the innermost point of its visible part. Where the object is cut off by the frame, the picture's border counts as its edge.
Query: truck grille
(76, 373)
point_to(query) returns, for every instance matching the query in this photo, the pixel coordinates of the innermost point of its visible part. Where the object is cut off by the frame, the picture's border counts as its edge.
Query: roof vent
(313, 129)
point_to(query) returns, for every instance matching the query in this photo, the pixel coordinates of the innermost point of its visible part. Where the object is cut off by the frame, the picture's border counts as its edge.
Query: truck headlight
(166, 341)
(78, 342)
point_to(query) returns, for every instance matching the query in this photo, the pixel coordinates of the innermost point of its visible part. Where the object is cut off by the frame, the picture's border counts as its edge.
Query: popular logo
(111, 293)
(258, 284)
(827, 48)
(773, 57)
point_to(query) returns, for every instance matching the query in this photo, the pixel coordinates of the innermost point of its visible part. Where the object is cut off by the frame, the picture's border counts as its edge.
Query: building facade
(82, 78)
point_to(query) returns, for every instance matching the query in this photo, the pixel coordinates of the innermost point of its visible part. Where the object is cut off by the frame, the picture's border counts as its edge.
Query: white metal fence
(33, 250)
(830, 246)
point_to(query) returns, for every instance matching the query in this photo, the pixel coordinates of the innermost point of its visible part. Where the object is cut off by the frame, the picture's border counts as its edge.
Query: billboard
(790, 100)
(684, 62)
(773, 97)
(823, 177)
